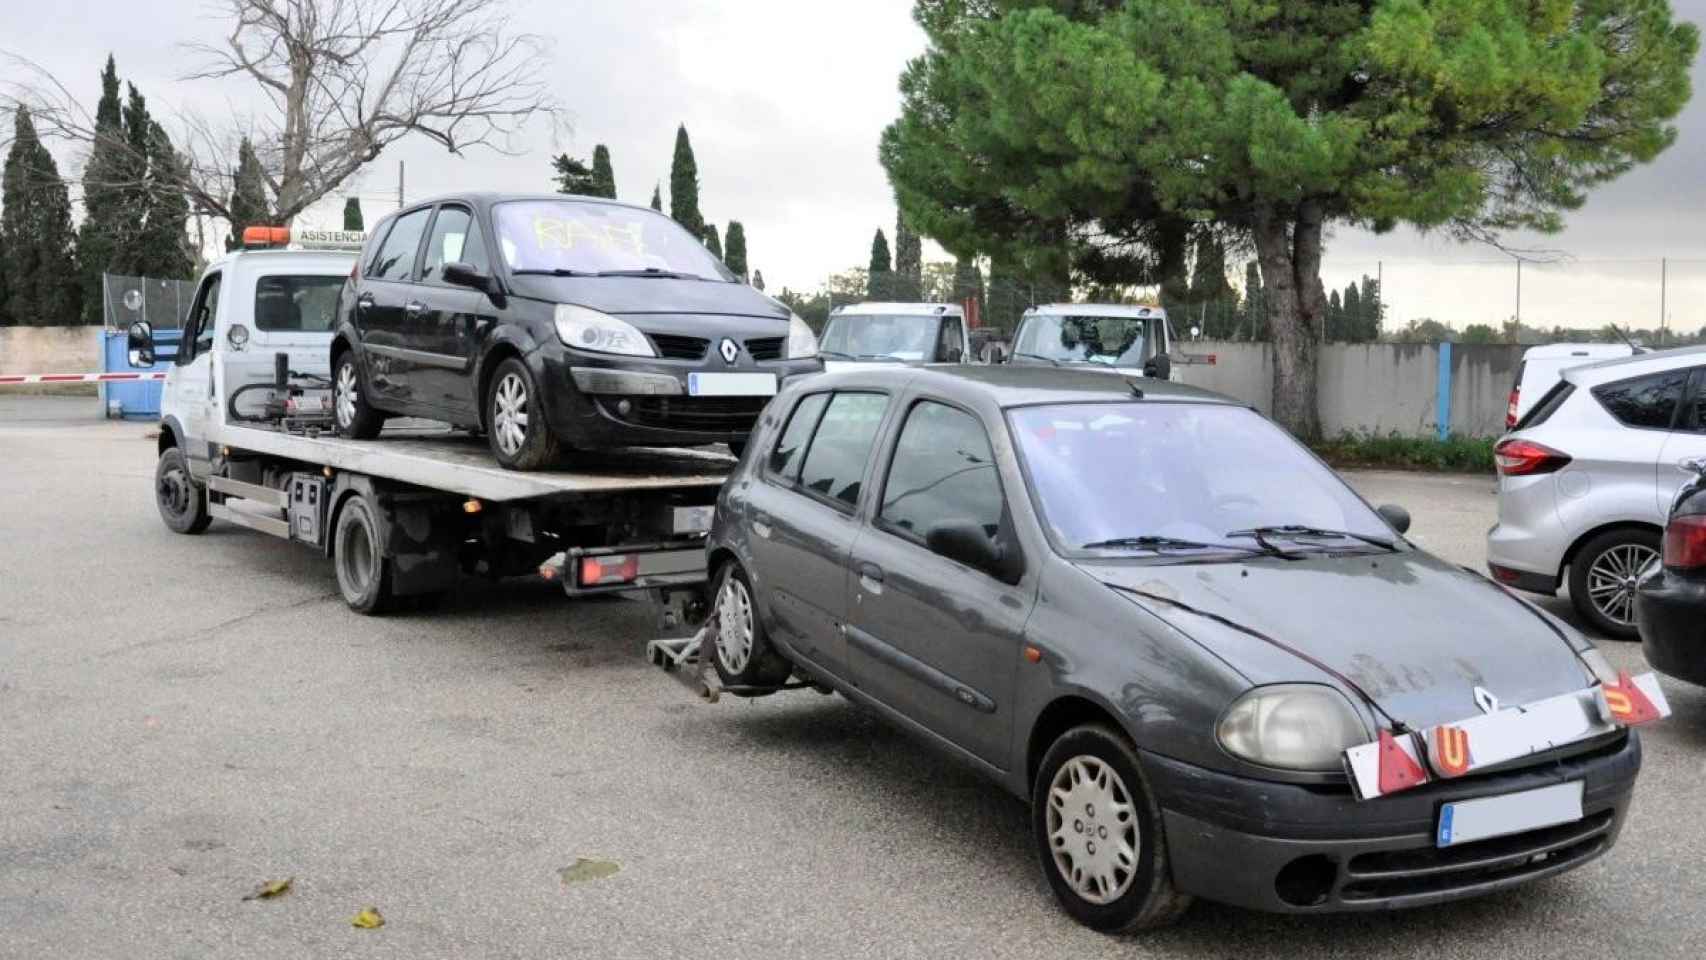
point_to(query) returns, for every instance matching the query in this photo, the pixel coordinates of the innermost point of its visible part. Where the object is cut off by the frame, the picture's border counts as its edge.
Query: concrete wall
(51, 350)
(1377, 388)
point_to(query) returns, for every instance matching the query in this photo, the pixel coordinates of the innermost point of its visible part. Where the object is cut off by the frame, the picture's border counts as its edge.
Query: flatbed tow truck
(246, 438)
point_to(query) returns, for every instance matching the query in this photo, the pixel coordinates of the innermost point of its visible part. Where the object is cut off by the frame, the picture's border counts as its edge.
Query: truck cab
(894, 334)
(1131, 340)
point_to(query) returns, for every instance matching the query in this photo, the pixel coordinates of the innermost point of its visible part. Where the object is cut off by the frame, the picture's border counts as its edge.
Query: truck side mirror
(140, 344)
(1159, 368)
(466, 275)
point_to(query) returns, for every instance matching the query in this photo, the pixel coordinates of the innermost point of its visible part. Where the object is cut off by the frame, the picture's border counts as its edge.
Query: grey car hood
(1414, 632)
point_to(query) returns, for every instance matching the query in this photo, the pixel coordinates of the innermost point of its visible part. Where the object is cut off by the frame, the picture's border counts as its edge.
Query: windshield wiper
(649, 273)
(551, 272)
(1162, 544)
(1297, 531)
(1038, 356)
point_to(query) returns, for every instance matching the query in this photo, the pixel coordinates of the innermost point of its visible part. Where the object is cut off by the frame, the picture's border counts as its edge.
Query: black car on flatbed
(553, 322)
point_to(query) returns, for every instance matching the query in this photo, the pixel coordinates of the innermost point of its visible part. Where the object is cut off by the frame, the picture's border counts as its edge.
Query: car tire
(1603, 575)
(353, 416)
(516, 429)
(182, 501)
(358, 555)
(1089, 790)
(743, 654)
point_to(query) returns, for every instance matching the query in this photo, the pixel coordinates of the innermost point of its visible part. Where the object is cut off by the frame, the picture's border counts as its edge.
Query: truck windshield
(1106, 475)
(1110, 341)
(587, 238)
(872, 336)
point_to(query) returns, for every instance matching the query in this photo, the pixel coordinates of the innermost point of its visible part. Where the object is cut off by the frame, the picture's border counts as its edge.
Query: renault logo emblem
(729, 351)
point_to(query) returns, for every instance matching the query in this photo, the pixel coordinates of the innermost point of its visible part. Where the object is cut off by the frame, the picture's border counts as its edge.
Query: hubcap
(734, 626)
(174, 492)
(346, 394)
(1092, 829)
(509, 413)
(1612, 580)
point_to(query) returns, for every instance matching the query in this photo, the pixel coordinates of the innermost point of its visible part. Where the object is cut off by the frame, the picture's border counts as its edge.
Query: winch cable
(1398, 726)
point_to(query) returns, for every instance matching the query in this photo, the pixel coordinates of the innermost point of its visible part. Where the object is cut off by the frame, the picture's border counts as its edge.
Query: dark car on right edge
(1210, 666)
(1670, 603)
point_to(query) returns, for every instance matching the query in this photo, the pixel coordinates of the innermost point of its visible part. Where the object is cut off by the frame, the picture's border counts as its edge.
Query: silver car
(1588, 476)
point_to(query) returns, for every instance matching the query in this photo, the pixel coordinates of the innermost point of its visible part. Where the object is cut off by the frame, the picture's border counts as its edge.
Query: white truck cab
(894, 334)
(1131, 340)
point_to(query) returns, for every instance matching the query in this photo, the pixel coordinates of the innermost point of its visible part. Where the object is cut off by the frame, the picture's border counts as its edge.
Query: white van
(1541, 367)
(894, 334)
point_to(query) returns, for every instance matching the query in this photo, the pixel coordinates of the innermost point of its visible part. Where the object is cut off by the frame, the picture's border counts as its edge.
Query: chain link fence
(162, 303)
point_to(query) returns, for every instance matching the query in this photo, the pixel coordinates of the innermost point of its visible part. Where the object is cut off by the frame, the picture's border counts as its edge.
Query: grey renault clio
(1211, 668)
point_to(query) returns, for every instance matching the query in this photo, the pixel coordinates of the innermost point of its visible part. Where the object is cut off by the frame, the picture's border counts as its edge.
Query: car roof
(900, 309)
(1018, 386)
(1140, 311)
(332, 261)
(1658, 361)
(485, 198)
(1576, 350)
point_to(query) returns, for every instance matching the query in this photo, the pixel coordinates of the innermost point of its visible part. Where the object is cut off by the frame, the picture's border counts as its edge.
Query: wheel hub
(509, 414)
(1092, 829)
(1613, 578)
(734, 626)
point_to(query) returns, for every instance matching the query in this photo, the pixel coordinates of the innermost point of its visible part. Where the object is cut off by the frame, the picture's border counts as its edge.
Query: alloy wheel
(509, 413)
(1613, 577)
(734, 626)
(346, 393)
(1092, 829)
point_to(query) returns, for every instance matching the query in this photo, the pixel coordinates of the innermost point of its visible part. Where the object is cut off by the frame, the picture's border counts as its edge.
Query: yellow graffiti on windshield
(553, 233)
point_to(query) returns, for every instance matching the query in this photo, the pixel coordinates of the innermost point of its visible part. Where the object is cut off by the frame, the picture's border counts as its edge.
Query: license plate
(731, 384)
(1466, 821)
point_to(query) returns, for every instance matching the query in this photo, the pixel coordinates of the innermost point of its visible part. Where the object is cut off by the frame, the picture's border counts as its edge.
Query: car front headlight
(1293, 726)
(597, 332)
(802, 342)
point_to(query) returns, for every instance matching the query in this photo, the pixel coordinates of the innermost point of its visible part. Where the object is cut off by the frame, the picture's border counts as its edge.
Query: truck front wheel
(364, 572)
(182, 501)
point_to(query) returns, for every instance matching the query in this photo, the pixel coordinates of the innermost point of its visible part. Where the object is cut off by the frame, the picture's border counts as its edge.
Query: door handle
(364, 302)
(761, 524)
(871, 576)
(414, 308)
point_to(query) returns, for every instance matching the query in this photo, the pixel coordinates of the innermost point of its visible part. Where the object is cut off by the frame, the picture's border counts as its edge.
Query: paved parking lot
(182, 719)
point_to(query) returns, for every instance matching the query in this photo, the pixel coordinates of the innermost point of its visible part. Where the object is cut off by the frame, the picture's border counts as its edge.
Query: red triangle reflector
(1629, 706)
(1398, 770)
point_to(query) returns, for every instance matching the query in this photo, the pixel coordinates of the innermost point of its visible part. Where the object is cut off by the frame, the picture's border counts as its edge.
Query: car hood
(1414, 632)
(632, 296)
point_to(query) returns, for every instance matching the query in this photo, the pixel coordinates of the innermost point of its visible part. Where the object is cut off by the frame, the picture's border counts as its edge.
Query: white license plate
(731, 384)
(1469, 820)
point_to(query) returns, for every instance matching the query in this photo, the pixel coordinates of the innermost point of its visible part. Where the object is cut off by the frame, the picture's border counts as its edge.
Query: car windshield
(1106, 475)
(1111, 341)
(872, 336)
(588, 238)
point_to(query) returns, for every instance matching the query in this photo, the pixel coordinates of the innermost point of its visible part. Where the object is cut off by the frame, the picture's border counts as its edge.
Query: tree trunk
(1288, 246)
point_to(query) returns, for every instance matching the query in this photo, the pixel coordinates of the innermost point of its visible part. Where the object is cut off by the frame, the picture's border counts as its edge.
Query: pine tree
(968, 280)
(657, 198)
(908, 280)
(758, 280)
(249, 204)
(35, 223)
(574, 176)
(352, 215)
(684, 186)
(1007, 296)
(101, 233)
(734, 248)
(603, 176)
(163, 248)
(879, 284)
(712, 243)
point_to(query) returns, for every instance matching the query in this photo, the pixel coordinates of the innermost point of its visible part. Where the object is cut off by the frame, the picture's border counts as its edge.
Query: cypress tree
(968, 280)
(1335, 319)
(574, 177)
(758, 280)
(163, 248)
(249, 204)
(712, 242)
(1255, 322)
(879, 279)
(657, 198)
(734, 248)
(352, 214)
(908, 280)
(101, 234)
(603, 176)
(35, 223)
(1213, 304)
(138, 132)
(5, 314)
(684, 186)
(1373, 309)
(1353, 314)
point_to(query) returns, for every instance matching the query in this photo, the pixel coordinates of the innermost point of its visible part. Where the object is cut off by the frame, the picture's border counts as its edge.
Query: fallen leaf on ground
(272, 889)
(585, 869)
(368, 919)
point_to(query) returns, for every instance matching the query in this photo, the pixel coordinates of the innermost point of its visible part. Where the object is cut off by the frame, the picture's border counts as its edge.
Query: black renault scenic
(556, 322)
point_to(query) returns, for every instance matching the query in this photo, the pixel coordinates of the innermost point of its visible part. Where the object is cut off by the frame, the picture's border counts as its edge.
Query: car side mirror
(1159, 368)
(966, 542)
(466, 275)
(139, 344)
(1395, 515)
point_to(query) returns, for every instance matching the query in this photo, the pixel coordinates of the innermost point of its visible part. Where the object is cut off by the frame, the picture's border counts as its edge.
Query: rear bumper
(1671, 613)
(1525, 549)
(1296, 849)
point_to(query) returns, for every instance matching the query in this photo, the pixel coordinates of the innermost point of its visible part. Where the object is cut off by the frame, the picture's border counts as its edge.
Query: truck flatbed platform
(449, 460)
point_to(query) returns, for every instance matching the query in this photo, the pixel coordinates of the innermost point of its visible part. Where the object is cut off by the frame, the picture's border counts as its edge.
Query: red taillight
(1510, 411)
(608, 570)
(1523, 458)
(1685, 543)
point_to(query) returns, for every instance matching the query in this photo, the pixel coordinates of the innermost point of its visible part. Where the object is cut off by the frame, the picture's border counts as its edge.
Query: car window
(784, 461)
(950, 346)
(835, 462)
(204, 316)
(1695, 420)
(396, 258)
(943, 471)
(289, 304)
(1648, 402)
(455, 239)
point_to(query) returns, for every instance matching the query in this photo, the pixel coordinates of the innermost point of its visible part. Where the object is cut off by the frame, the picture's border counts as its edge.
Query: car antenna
(1625, 337)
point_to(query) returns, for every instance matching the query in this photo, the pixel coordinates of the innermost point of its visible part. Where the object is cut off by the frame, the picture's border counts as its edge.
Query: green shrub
(1456, 454)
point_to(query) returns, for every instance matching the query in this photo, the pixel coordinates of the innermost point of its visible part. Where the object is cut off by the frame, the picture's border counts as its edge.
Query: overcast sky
(785, 101)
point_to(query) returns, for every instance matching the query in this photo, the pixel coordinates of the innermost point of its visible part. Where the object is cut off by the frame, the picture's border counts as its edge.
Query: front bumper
(1299, 849)
(1671, 613)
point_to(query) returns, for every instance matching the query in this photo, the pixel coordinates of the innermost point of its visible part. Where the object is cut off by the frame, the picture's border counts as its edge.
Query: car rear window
(835, 463)
(1548, 405)
(1648, 402)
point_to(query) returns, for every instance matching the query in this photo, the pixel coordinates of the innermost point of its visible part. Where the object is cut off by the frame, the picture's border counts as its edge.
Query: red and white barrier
(21, 378)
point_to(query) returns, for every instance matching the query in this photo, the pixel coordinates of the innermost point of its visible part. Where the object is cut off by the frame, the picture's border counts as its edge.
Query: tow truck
(246, 437)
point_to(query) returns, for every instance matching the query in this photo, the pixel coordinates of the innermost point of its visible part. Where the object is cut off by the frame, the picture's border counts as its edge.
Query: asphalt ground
(185, 718)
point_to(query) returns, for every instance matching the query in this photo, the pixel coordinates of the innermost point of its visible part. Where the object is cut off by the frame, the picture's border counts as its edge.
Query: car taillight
(1685, 543)
(1510, 411)
(1524, 458)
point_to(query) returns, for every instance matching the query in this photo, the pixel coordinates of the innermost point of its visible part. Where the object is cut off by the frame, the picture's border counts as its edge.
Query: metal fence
(163, 303)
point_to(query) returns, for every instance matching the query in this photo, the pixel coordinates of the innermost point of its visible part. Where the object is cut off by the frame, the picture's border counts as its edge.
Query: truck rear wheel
(364, 572)
(182, 501)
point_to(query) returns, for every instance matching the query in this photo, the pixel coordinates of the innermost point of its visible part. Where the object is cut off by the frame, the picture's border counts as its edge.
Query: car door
(932, 638)
(453, 320)
(1686, 442)
(192, 399)
(803, 519)
(387, 287)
